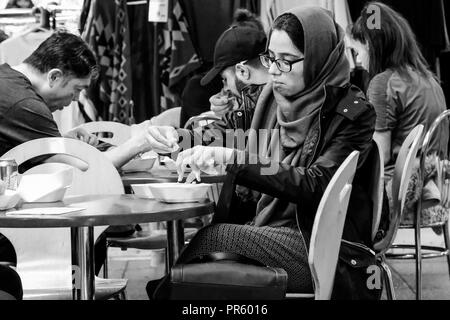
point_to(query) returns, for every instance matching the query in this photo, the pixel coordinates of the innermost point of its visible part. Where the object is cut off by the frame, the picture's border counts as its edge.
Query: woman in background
(402, 88)
(405, 93)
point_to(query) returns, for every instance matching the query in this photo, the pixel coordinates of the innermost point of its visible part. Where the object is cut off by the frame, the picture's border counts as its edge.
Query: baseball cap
(236, 44)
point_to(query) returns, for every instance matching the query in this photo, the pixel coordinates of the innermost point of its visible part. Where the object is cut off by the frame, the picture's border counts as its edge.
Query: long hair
(393, 45)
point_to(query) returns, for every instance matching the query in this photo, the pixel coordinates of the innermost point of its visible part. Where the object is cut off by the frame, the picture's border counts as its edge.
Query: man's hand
(82, 135)
(211, 160)
(159, 139)
(221, 103)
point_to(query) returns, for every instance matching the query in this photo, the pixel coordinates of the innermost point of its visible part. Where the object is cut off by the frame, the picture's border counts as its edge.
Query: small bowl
(53, 196)
(142, 190)
(9, 199)
(45, 187)
(180, 192)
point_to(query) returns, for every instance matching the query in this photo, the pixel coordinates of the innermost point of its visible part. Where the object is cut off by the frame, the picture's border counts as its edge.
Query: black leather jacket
(347, 123)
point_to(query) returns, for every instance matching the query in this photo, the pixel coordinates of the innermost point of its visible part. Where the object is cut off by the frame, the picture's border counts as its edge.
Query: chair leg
(418, 261)
(387, 275)
(105, 264)
(447, 243)
(123, 295)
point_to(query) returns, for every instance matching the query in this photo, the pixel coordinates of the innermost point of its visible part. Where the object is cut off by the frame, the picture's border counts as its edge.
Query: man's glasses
(282, 65)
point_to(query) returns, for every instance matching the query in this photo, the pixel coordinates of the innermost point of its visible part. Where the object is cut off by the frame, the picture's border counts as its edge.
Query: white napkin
(44, 211)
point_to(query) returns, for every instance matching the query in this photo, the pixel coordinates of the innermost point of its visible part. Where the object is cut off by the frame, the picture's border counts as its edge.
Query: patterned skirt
(274, 247)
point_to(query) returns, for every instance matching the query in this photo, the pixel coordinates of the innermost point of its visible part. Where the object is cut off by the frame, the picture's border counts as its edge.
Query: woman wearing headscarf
(316, 119)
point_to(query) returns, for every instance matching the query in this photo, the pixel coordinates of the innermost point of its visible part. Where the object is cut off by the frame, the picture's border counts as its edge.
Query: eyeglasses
(282, 65)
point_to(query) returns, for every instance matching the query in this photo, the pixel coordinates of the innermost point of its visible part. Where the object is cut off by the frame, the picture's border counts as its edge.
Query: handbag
(358, 274)
(227, 280)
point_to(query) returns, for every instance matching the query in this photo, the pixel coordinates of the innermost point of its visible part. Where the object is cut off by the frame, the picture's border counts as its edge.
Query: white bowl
(179, 192)
(142, 190)
(139, 164)
(45, 187)
(53, 196)
(9, 199)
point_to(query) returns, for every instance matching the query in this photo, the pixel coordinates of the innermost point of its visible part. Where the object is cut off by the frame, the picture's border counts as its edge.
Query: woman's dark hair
(245, 18)
(393, 45)
(67, 52)
(289, 23)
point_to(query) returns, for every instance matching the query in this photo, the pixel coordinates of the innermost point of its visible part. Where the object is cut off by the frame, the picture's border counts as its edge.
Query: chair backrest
(328, 227)
(120, 132)
(403, 171)
(439, 131)
(376, 185)
(44, 260)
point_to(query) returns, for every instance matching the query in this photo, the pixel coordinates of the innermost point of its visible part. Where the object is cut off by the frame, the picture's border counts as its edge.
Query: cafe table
(106, 210)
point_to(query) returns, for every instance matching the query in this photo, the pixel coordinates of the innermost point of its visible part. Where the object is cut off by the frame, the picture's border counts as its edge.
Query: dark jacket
(240, 118)
(347, 123)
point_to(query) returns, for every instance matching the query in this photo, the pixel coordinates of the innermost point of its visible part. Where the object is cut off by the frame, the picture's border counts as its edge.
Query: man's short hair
(65, 51)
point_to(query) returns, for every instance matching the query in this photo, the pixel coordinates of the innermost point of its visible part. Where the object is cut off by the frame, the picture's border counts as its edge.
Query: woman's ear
(54, 77)
(242, 72)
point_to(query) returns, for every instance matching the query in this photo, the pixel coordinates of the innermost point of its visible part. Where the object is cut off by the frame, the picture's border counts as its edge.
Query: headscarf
(325, 64)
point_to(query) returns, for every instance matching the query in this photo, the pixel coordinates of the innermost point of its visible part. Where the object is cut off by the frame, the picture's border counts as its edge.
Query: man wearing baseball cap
(236, 60)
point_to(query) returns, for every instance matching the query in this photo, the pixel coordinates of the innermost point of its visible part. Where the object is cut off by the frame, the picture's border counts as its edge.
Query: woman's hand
(210, 160)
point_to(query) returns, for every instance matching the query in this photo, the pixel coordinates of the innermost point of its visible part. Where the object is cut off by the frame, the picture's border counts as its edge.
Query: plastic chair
(327, 229)
(402, 174)
(430, 251)
(45, 263)
(325, 239)
(376, 186)
(120, 132)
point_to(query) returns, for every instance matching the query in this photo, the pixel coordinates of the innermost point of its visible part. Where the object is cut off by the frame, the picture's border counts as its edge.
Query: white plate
(180, 192)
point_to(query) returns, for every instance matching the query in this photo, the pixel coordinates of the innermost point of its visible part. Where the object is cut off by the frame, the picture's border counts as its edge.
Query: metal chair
(44, 259)
(402, 174)
(416, 250)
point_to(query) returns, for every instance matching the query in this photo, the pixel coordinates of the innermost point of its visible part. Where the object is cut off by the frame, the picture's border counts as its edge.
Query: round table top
(102, 210)
(160, 176)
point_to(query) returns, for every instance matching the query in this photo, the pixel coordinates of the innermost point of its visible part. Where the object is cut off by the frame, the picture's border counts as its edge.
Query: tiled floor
(140, 266)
